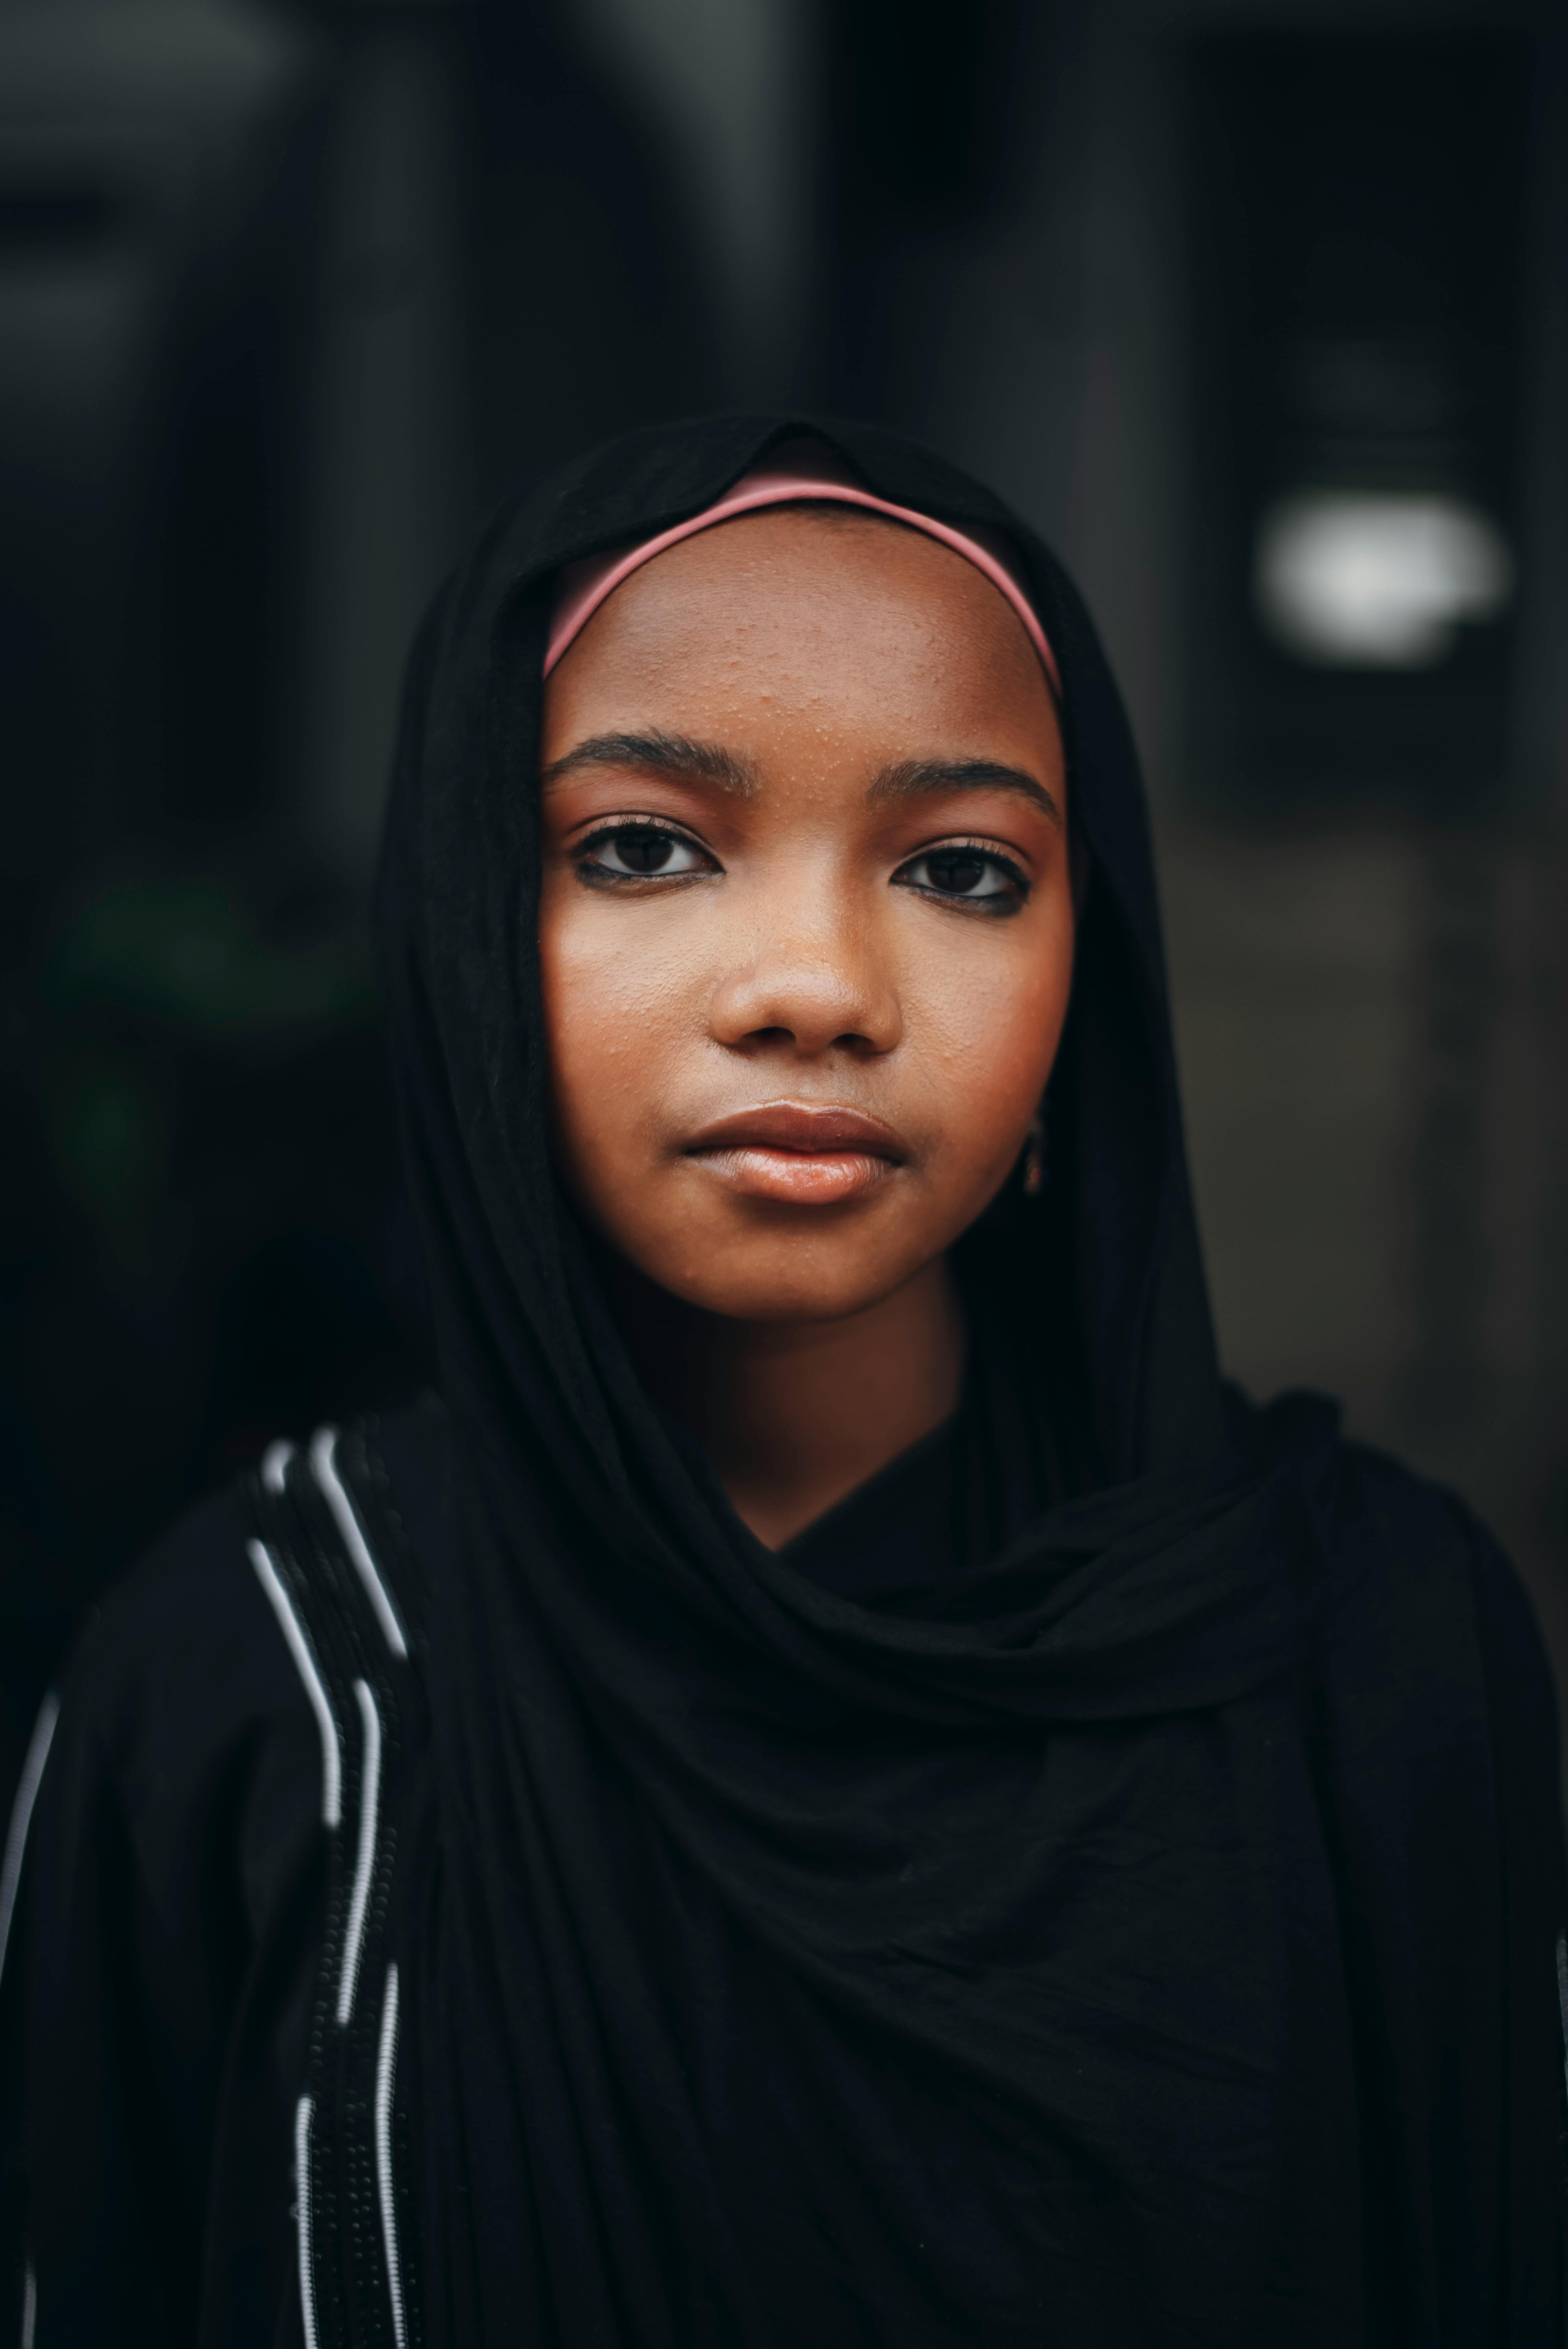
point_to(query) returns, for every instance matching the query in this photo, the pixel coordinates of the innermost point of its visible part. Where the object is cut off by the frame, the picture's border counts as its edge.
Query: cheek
(614, 1011)
(992, 1025)
(987, 1026)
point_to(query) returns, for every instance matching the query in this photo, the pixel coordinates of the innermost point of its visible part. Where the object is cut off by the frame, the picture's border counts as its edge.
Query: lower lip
(802, 1178)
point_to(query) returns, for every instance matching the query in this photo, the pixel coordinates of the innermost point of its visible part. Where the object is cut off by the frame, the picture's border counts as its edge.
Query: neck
(794, 1415)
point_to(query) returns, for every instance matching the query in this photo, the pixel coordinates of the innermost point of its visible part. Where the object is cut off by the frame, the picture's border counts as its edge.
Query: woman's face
(806, 927)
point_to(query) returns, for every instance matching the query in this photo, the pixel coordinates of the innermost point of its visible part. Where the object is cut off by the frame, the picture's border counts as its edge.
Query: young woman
(839, 1787)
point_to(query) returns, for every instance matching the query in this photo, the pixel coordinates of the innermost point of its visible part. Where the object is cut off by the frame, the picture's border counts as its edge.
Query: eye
(966, 875)
(640, 852)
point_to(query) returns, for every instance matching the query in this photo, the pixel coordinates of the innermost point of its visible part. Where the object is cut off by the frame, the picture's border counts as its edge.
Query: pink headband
(584, 585)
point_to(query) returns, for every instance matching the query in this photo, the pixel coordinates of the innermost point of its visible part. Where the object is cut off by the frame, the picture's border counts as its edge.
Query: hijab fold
(788, 1969)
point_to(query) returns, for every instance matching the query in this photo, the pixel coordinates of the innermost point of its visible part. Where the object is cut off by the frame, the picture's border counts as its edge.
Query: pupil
(645, 852)
(958, 872)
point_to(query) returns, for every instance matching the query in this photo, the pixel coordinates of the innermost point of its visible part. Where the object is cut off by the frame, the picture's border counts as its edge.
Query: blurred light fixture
(1354, 579)
(1361, 232)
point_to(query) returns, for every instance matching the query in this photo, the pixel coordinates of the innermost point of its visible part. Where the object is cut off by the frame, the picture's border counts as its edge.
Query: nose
(815, 982)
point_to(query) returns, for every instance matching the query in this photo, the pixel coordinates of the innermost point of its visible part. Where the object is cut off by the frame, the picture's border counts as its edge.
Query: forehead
(810, 611)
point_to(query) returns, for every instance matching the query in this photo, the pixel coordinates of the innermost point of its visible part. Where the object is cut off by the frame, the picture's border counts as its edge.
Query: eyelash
(597, 874)
(995, 904)
(641, 827)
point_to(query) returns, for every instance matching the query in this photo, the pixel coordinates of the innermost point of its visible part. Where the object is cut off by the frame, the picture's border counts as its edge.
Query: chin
(804, 1292)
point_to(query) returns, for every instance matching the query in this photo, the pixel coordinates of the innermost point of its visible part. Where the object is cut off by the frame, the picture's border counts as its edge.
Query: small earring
(1035, 1157)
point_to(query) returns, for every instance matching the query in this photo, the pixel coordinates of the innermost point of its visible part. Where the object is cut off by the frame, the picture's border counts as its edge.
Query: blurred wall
(288, 296)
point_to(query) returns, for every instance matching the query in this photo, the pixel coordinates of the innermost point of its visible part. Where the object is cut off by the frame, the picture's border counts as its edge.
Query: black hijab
(786, 1970)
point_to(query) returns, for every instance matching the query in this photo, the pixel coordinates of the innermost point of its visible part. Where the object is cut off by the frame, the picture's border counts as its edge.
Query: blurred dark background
(1259, 313)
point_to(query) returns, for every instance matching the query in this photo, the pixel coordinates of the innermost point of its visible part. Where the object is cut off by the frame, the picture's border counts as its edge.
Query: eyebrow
(658, 753)
(920, 777)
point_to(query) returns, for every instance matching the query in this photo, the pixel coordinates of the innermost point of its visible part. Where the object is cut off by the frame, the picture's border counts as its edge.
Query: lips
(804, 1154)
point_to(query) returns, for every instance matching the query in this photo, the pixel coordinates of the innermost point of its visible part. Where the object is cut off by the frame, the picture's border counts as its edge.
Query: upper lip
(801, 1126)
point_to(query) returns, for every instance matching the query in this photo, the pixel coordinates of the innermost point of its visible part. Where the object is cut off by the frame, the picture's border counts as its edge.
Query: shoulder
(190, 1652)
(184, 1730)
(1434, 1672)
(185, 1642)
(1413, 1561)
(1426, 1638)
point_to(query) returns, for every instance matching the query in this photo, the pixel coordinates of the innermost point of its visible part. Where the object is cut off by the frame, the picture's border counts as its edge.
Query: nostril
(851, 1040)
(794, 1010)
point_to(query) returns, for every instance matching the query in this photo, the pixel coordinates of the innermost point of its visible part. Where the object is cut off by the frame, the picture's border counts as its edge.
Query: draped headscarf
(784, 1970)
